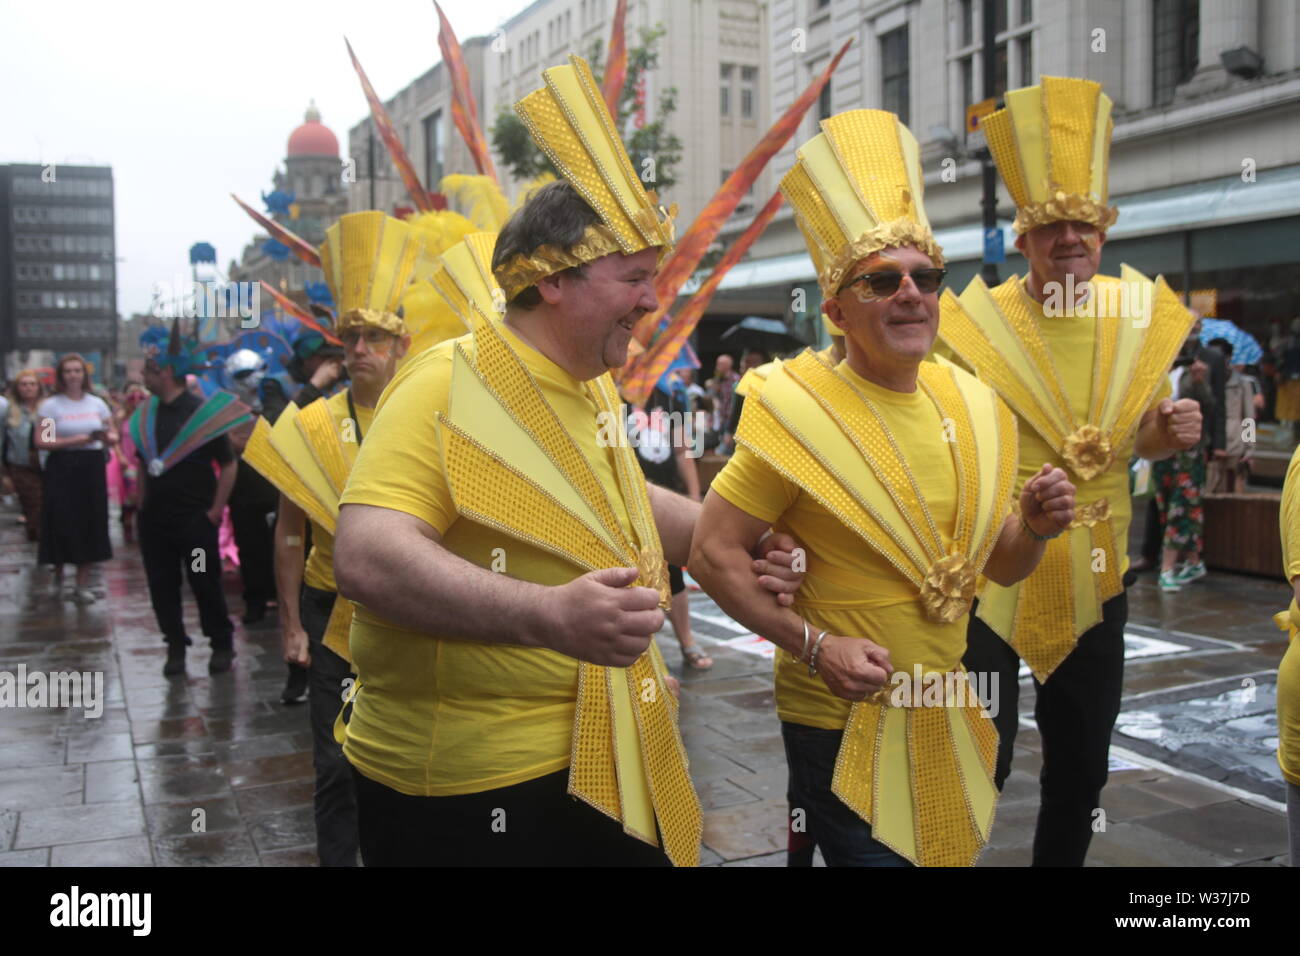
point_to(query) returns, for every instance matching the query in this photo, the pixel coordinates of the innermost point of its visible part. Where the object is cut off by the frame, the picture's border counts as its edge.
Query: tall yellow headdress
(568, 120)
(459, 293)
(1051, 144)
(856, 189)
(369, 259)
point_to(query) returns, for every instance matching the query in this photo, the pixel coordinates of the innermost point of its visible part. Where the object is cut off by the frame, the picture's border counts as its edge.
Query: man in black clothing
(179, 515)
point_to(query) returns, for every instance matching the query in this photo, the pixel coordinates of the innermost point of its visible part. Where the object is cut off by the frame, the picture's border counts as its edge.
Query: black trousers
(1075, 710)
(255, 538)
(169, 543)
(535, 823)
(335, 797)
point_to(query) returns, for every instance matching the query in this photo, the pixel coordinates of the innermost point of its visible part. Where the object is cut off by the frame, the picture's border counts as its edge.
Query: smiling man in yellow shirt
(898, 473)
(508, 559)
(1082, 359)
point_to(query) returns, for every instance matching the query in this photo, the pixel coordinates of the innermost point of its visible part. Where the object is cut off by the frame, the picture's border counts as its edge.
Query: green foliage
(653, 141)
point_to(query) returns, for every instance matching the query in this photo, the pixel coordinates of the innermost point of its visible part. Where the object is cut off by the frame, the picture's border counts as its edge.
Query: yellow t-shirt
(1071, 340)
(849, 587)
(438, 716)
(319, 571)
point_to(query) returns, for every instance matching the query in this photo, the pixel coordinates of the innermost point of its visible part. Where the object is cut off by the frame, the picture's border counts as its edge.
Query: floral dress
(1180, 480)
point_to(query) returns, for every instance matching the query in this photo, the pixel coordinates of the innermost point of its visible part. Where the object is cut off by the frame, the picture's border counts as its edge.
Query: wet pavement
(215, 771)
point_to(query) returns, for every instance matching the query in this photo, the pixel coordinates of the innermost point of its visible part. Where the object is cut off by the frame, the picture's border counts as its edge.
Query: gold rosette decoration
(1090, 515)
(948, 589)
(1088, 451)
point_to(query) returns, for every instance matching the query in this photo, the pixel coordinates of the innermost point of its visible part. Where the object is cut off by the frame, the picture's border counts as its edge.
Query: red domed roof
(312, 138)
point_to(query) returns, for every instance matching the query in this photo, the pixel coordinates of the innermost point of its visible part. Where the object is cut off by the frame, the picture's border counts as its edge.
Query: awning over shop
(1273, 194)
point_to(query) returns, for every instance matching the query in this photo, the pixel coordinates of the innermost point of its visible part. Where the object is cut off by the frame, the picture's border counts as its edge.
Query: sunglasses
(885, 284)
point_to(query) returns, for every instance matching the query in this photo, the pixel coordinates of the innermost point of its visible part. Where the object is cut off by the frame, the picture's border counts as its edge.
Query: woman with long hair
(17, 449)
(74, 426)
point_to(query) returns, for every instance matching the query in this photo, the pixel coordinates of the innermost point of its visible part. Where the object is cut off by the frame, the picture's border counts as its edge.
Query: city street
(215, 771)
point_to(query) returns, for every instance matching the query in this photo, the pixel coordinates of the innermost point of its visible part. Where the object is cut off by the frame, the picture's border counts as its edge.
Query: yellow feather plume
(479, 198)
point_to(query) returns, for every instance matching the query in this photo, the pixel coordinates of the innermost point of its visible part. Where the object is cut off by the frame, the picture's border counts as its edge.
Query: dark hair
(555, 215)
(1223, 345)
(59, 385)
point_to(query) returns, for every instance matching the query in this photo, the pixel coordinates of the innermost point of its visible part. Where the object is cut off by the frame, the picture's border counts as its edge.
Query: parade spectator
(660, 437)
(1180, 481)
(1229, 465)
(722, 390)
(74, 426)
(123, 470)
(1268, 387)
(21, 463)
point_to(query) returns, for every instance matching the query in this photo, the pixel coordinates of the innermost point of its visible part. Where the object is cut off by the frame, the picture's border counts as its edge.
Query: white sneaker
(83, 596)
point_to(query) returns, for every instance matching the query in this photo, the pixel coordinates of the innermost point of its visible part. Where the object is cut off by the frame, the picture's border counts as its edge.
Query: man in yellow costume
(1081, 359)
(507, 558)
(1288, 672)
(899, 474)
(369, 261)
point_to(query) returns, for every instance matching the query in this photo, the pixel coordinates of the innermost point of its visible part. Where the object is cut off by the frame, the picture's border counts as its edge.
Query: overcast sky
(189, 102)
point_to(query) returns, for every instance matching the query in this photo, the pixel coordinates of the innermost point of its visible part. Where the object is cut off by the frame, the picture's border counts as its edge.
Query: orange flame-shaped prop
(384, 126)
(464, 111)
(693, 245)
(299, 313)
(300, 247)
(616, 64)
(642, 373)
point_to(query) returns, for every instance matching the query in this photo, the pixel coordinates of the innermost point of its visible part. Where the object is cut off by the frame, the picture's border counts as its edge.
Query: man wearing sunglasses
(898, 473)
(1081, 358)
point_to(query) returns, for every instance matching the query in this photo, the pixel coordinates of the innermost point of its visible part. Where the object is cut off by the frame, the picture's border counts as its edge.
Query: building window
(999, 15)
(1175, 36)
(748, 79)
(1026, 11)
(1025, 45)
(433, 152)
(895, 93)
(725, 72)
(967, 36)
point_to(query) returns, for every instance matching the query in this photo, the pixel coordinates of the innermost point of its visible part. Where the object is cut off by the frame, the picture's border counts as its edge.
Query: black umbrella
(771, 335)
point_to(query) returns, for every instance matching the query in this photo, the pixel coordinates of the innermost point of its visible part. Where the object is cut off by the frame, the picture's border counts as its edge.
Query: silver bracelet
(812, 661)
(800, 658)
(1034, 534)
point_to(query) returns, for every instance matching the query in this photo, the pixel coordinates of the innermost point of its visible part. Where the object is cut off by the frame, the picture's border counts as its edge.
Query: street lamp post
(989, 203)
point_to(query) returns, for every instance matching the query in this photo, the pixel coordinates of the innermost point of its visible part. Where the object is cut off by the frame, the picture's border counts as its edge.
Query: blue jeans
(844, 837)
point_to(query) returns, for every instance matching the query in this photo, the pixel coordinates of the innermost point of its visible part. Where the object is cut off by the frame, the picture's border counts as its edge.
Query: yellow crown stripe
(915, 184)
(1070, 113)
(837, 192)
(1026, 109)
(861, 143)
(638, 207)
(603, 150)
(550, 129)
(820, 229)
(1000, 134)
(1098, 186)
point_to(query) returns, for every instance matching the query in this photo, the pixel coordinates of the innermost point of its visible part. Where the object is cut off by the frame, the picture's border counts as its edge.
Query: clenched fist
(853, 667)
(600, 618)
(1047, 502)
(1180, 422)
